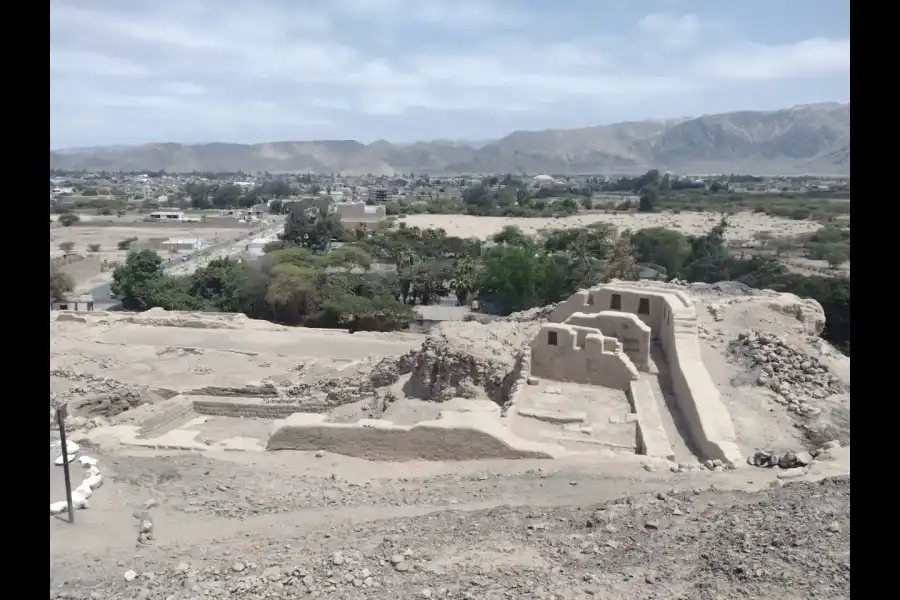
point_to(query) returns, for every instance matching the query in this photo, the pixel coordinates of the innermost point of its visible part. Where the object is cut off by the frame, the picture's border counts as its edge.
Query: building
(84, 303)
(378, 194)
(167, 216)
(358, 214)
(183, 245)
(611, 334)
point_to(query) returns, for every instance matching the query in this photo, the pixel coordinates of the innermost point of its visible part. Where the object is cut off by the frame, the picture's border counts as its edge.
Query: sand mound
(465, 360)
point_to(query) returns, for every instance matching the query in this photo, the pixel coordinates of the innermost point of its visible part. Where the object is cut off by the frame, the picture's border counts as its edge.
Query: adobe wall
(651, 435)
(672, 318)
(580, 355)
(228, 407)
(631, 331)
(454, 436)
(522, 372)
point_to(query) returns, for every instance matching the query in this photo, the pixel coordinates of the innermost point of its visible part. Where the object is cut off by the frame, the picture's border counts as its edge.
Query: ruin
(606, 337)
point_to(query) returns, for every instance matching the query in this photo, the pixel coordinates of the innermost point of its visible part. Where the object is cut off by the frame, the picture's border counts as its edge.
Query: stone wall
(223, 407)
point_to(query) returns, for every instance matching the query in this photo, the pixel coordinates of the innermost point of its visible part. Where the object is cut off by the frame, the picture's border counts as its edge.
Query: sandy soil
(744, 225)
(254, 524)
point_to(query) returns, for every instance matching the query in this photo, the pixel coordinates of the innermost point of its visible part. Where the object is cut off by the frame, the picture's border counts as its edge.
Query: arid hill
(808, 139)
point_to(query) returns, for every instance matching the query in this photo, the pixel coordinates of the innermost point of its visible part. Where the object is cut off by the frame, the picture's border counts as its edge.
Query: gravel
(788, 541)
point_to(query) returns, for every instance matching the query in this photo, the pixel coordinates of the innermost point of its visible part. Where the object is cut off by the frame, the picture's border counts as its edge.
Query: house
(84, 303)
(358, 214)
(183, 245)
(429, 316)
(167, 216)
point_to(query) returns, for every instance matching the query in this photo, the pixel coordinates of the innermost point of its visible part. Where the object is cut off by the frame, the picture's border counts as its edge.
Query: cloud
(815, 57)
(670, 30)
(360, 68)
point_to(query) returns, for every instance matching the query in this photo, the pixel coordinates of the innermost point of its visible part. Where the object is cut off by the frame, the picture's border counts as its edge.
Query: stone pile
(790, 459)
(796, 378)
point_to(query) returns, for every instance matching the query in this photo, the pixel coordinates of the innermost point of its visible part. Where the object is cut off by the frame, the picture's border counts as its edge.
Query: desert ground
(743, 225)
(90, 272)
(179, 409)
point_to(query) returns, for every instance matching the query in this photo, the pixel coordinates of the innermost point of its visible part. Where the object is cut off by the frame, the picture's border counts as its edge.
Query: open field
(744, 225)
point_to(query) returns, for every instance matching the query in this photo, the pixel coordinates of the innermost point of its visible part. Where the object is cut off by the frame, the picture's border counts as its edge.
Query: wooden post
(61, 412)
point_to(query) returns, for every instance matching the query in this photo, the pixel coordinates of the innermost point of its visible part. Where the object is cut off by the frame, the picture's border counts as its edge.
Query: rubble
(797, 379)
(464, 360)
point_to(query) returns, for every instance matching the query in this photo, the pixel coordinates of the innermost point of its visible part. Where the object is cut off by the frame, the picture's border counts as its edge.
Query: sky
(252, 71)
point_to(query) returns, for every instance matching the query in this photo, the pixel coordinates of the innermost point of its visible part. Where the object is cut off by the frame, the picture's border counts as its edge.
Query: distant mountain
(808, 139)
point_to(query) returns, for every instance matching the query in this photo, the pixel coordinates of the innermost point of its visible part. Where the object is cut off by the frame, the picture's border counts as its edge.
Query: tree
(134, 282)
(660, 246)
(61, 285)
(464, 279)
(621, 264)
(312, 225)
(68, 219)
(836, 255)
(349, 258)
(66, 246)
(275, 207)
(511, 235)
(199, 195)
(290, 294)
(649, 198)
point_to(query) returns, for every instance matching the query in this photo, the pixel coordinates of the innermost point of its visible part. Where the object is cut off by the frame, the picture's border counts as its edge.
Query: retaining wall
(227, 407)
(454, 436)
(523, 372)
(651, 435)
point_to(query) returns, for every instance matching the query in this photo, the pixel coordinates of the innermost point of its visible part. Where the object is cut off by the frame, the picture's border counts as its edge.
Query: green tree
(667, 248)
(61, 285)
(134, 282)
(312, 225)
(68, 219)
(290, 294)
(464, 279)
(66, 246)
(649, 198)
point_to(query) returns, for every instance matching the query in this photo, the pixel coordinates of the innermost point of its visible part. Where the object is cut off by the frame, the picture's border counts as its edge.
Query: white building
(169, 216)
(84, 303)
(183, 245)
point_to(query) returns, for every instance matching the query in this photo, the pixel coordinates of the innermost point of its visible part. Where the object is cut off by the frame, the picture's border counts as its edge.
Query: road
(190, 262)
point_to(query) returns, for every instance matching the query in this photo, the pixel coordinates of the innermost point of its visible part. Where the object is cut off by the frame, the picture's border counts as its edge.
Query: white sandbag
(87, 461)
(79, 501)
(59, 459)
(94, 481)
(71, 447)
(85, 490)
(58, 508)
(92, 471)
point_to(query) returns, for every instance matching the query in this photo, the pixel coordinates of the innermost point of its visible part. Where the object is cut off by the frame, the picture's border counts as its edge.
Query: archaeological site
(244, 459)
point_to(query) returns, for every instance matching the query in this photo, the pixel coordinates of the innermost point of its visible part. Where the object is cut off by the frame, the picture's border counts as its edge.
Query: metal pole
(61, 420)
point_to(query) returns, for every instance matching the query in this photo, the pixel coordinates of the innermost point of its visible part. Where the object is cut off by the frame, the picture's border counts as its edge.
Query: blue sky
(249, 71)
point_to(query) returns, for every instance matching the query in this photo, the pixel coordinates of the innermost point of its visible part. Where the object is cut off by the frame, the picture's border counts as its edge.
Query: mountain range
(808, 139)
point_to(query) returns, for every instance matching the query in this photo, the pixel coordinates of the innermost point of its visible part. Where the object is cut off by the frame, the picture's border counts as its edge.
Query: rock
(402, 567)
(396, 558)
(337, 559)
(130, 575)
(320, 454)
(146, 527)
(238, 567)
(791, 473)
